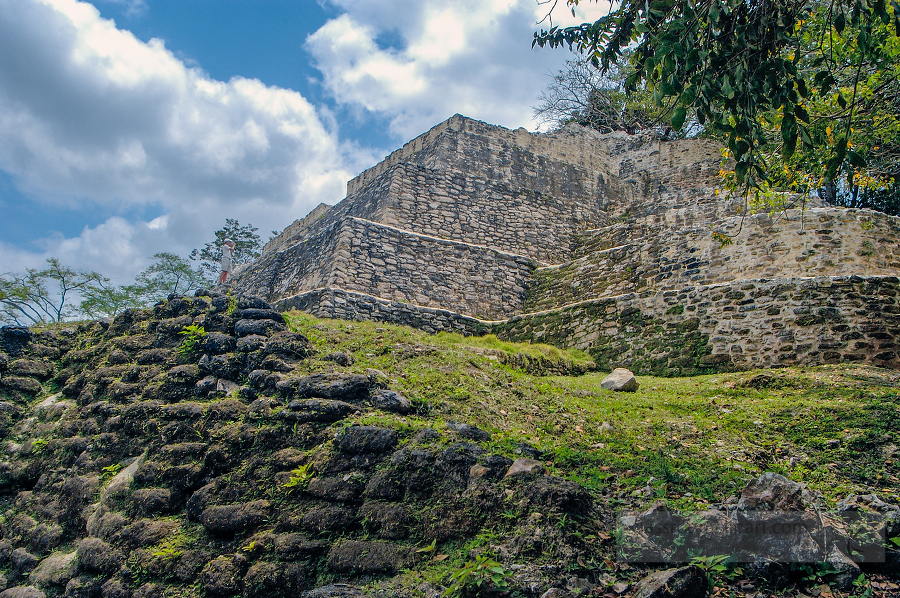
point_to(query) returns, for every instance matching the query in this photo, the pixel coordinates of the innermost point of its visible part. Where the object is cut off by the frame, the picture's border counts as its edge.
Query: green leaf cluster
(299, 479)
(193, 334)
(767, 77)
(475, 574)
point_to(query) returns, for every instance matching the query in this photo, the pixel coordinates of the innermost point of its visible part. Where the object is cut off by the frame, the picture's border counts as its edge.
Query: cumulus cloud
(472, 56)
(89, 114)
(92, 117)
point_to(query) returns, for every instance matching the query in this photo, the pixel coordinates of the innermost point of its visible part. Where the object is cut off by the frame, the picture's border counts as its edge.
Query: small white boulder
(620, 380)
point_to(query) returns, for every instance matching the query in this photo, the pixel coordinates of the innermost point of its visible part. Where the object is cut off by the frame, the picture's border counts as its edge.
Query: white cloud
(472, 56)
(92, 116)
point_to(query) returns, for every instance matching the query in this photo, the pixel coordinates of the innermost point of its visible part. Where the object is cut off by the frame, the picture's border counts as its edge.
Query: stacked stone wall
(295, 230)
(603, 242)
(461, 207)
(349, 305)
(739, 325)
(301, 267)
(398, 265)
(573, 162)
(815, 242)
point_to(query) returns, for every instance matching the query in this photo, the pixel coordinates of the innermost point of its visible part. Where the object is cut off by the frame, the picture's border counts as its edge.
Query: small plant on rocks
(110, 471)
(299, 479)
(193, 334)
(717, 568)
(475, 574)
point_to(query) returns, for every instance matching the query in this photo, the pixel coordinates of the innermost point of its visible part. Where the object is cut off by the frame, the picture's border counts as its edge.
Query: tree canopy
(246, 246)
(582, 94)
(789, 85)
(42, 296)
(168, 274)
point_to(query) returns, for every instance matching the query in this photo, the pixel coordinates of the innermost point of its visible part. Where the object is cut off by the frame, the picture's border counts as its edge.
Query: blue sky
(129, 127)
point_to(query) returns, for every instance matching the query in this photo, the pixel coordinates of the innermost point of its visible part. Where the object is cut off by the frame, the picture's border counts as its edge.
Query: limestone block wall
(462, 207)
(814, 242)
(394, 264)
(301, 267)
(738, 325)
(349, 305)
(568, 163)
(602, 242)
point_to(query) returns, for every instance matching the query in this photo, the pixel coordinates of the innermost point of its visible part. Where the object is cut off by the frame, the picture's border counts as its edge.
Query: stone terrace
(601, 242)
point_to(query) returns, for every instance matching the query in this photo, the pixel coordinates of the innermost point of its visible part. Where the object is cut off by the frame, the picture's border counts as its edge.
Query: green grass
(693, 440)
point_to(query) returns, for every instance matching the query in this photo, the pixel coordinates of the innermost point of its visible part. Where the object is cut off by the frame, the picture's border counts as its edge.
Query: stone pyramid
(600, 242)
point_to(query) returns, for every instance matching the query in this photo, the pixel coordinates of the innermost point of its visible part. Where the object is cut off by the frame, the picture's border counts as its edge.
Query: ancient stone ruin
(600, 242)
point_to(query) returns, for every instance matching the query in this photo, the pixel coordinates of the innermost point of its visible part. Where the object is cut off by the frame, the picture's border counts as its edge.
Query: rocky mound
(202, 448)
(169, 460)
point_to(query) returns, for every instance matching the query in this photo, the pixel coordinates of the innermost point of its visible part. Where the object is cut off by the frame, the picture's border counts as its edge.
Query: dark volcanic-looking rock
(292, 345)
(274, 580)
(344, 488)
(228, 519)
(250, 343)
(23, 561)
(96, 556)
(259, 314)
(261, 327)
(27, 385)
(151, 500)
(389, 400)
(14, 339)
(468, 432)
(183, 374)
(340, 358)
(553, 492)
(387, 521)
(774, 492)
(215, 343)
(31, 367)
(385, 484)
(317, 410)
(328, 519)
(252, 302)
(365, 439)
(221, 577)
(346, 387)
(55, 570)
(367, 557)
(686, 582)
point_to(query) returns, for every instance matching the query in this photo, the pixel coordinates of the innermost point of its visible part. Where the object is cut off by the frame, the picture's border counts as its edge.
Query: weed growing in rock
(167, 553)
(110, 471)
(717, 568)
(39, 446)
(299, 479)
(193, 334)
(474, 574)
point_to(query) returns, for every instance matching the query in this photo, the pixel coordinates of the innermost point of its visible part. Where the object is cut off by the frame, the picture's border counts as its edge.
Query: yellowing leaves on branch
(814, 86)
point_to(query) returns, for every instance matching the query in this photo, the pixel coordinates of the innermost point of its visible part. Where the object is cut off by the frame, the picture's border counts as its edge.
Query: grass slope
(691, 440)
